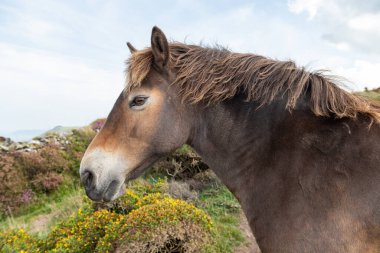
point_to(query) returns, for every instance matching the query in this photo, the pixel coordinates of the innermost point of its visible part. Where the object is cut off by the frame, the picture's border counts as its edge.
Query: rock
(21, 145)
(4, 148)
(12, 146)
(5, 141)
(35, 142)
(44, 140)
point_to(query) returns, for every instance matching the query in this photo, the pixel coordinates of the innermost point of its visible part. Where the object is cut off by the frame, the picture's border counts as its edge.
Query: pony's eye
(138, 101)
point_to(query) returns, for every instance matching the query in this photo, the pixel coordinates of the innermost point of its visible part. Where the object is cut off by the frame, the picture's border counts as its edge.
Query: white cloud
(62, 62)
(242, 28)
(368, 22)
(310, 6)
(51, 88)
(346, 22)
(352, 28)
(342, 46)
(362, 73)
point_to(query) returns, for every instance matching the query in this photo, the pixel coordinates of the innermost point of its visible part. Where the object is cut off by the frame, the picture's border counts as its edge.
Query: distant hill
(28, 134)
(24, 135)
(59, 130)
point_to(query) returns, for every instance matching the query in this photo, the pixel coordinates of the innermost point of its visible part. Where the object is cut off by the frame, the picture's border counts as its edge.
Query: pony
(301, 155)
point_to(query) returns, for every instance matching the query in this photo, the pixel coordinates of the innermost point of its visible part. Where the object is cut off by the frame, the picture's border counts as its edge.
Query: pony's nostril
(87, 178)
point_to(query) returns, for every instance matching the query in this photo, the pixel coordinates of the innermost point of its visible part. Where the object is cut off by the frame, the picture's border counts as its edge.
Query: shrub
(81, 232)
(42, 170)
(98, 124)
(12, 185)
(80, 139)
(123, 205)
(43, 167)
(162, 225)
(27, 196)
(181, 190)
(47, 182)
(181, 165)
(153, 223)
(47, 159)
(77, 144)
(139, 193)
(19, 241)
(142, 187)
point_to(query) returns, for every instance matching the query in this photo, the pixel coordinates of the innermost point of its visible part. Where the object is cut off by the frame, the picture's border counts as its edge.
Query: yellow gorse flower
(90, 230)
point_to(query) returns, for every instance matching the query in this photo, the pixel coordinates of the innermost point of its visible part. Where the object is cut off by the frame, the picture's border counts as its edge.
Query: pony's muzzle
(106, 193)
(88, 179)
(89, 182)
(102, 175)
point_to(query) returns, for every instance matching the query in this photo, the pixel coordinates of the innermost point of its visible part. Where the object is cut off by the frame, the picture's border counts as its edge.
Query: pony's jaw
(103, 174)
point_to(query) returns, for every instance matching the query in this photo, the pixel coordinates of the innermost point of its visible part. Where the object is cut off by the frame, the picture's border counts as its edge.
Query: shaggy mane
(211, 75)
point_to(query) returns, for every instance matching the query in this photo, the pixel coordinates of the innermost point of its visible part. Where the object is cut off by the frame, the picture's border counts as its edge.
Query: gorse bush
(166, 225)
(145, 219)
(81, 232)
(19, 241)
(139, 193)
(153, 223)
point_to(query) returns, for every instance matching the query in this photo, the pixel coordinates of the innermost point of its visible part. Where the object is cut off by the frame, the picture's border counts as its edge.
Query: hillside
(43, 200)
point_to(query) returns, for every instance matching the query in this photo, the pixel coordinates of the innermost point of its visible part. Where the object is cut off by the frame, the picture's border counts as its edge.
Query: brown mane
(212, 75)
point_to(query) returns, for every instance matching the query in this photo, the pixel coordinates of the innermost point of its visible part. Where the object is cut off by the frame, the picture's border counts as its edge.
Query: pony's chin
(120, 192)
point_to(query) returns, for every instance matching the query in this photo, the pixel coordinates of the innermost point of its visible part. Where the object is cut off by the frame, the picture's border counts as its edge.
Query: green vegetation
(28, 179)
(372, 94)
(48, 209)
(224, 209)
(140, 221)
(180, 206)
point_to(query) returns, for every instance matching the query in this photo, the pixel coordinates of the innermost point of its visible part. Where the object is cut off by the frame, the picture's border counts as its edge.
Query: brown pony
(300, 154)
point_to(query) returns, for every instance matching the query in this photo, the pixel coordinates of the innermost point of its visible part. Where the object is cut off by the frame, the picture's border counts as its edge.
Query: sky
(62, 62)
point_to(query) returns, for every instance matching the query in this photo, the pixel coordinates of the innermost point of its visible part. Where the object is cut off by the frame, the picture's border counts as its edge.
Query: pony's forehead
(132, 88)
(138, 67)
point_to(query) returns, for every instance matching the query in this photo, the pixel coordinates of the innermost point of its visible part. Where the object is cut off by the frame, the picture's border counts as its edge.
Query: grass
(224, 209)
(370, 94)
(42, 203)
(47, 211)
(184, 150)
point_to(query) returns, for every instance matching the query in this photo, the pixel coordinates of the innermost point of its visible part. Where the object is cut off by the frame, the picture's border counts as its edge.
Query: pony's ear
(160, 48)
(132, 49)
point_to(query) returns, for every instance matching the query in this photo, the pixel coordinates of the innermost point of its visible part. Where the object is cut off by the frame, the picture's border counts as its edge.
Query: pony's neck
(289, 171)
(232, 136)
